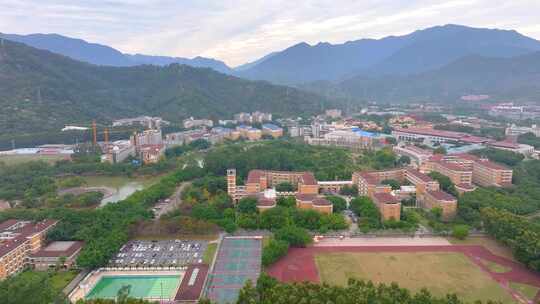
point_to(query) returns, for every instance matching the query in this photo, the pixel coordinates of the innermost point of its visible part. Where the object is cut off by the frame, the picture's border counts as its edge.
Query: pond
(122, 186)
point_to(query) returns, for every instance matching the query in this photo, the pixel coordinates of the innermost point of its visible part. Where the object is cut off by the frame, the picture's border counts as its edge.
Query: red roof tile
(385, 198)
(321, 202)
(441, 195)
(76, 246)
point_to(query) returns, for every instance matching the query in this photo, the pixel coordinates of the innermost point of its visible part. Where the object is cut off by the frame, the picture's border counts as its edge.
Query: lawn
(440, 273)
(525, 289)
(61, 279)
(210, 253)
(18, 159)
(495, 267)
(492, 245)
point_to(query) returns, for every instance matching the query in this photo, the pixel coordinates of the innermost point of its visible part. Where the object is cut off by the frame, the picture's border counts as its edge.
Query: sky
(240, 31)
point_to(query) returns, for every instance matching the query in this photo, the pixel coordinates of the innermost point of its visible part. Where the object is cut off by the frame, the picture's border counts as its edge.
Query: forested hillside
(40, 90)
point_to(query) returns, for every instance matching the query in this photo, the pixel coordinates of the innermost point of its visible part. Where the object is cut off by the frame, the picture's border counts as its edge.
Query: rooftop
(423, 177)
(59, 249)
(441, 195)
(321, 202)
(271, 127)
(385, 198)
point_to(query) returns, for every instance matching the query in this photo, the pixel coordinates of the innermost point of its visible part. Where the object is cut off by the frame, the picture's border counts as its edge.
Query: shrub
(460, 232)
(273, 251)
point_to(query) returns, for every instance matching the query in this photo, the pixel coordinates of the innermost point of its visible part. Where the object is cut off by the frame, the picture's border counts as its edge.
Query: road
(175, 201)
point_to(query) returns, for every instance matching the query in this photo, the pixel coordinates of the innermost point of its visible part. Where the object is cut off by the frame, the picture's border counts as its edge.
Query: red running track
(299, 264)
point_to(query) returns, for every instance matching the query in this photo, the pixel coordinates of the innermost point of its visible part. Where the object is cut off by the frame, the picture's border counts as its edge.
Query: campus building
(196, 123)
(61, 253)
(18, 241)
(466, 169)
(354, 139)
(426, 189)
(249, 132)
(261, 185)
(435, 136)
(417, 155)
(272, 130)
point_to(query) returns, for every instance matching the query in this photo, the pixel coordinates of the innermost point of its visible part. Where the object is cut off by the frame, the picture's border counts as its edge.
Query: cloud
(238, 31)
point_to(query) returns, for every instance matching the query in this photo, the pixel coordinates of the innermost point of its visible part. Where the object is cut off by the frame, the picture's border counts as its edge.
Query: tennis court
(238, 260)
(142, 287)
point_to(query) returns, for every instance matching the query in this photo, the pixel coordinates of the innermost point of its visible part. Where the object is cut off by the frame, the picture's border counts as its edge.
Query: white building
(195, 123)
(514, 130)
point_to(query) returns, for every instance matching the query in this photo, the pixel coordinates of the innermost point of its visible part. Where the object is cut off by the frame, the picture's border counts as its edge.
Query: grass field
(492, 245)
(440, 273)
(18, 159)
(525, 289)
(210, 253)
(118, 181)
(62, 278)
(494, 267)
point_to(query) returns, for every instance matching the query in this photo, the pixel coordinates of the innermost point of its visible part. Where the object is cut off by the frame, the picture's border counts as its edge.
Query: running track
(299, 265)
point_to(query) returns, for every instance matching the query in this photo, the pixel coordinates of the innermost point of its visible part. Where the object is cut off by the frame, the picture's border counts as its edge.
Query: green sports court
(238, 260)
(142, 287)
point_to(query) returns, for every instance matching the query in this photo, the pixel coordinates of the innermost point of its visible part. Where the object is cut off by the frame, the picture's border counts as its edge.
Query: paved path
(299, 265)
(175, 201)
(382, 241)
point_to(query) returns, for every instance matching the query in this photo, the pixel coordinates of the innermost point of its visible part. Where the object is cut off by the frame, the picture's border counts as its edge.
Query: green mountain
(516, 78)
(40, 90)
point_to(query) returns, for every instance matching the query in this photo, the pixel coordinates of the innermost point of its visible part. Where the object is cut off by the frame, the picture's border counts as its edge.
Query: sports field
(439, 272)
(142, 287)
(238, 260)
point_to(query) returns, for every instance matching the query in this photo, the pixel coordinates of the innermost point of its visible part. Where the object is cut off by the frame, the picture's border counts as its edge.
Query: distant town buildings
(19, 240)
(145, 121)
(435, 136)
(118, 151)
(191, 123)
(255, 117)
(249, 132)
(354, 138)
(512, 111)
(333, 113)
(514, 130)
(272, 130)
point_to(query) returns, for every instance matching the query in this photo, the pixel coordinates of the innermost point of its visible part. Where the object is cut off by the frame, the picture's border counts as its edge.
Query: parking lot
(159, 253)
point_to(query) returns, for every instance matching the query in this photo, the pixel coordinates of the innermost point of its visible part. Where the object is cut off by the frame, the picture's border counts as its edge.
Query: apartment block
(389, 206)
(18, 241)
(440, 199)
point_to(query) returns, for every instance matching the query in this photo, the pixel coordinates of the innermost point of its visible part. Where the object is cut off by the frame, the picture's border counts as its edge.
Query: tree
(436, 212)
(275, 218)
(294, 236)
(404, 160)
(445, 183)
(273, 251)
(285, 187)
(392, 183)
(247, 205)
(349, 190)
(460, 231)
(440, 150)
(286, 201)
(339, 204)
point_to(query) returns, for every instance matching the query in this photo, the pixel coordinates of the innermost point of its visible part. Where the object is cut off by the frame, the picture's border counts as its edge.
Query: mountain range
(41, 91)
(99, 54)
(418, 52)
(414, 53)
